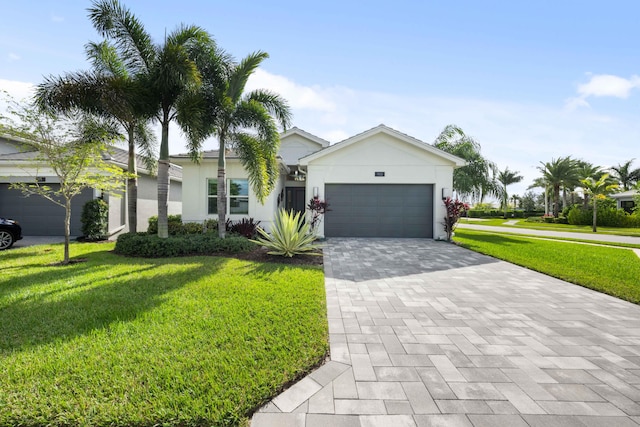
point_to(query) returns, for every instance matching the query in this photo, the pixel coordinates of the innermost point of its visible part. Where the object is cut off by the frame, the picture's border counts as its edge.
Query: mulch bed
(260, 254)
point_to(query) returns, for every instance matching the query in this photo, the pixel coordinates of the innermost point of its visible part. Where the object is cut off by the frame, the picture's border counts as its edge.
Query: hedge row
(177, 227)
(606, 217)
(151, 246)
(495, 213)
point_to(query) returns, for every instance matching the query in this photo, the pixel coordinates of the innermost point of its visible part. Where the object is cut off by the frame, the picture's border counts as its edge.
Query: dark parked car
(10, 232)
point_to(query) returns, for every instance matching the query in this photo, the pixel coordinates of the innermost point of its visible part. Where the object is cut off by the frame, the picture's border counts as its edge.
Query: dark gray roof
(115, 155)
(208, 154)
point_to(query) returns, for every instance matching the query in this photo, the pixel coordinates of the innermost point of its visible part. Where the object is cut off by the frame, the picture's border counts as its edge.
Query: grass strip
(499, 222)
(130, 341)
(609, 270)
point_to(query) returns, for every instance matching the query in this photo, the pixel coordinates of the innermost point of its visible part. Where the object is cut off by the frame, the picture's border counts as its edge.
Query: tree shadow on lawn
(44, 317)
(499, 239)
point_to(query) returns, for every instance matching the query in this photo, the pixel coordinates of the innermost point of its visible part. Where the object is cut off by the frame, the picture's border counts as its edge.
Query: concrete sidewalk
(426, 333)
(550, 233)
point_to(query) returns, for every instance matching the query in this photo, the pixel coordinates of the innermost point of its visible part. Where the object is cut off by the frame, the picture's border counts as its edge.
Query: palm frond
(105, 60)
(260, 164)
(242, 72)
(275, 104)
(73, 90)
(147, 143)
(116, 22)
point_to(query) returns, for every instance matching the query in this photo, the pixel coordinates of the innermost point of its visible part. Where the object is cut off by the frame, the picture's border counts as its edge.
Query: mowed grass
(620, 231)
(125, 341)
(613, 271)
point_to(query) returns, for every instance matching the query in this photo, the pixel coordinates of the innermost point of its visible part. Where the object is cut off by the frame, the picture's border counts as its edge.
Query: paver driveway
(425, 333)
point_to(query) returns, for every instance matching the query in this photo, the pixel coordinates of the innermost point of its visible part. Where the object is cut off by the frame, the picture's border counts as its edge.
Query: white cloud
(299, 97)
(603, 85)
(16, 89)
(12, 57)
(608, 85)
(56, 18)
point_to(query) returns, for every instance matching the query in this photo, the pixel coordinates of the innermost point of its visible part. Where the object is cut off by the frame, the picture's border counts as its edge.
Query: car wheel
(6, 240)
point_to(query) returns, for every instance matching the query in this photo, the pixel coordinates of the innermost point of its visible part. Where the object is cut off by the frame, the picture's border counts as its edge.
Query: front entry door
(296, 199)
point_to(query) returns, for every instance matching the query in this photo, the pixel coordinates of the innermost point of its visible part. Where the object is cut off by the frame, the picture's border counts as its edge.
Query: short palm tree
(505, 178)
(586, 170)
(109, 90)
(541, 183)
(558, 173)
(167, 72)
(247, 123)
(473, 180)
(626, 176)
(595, 188)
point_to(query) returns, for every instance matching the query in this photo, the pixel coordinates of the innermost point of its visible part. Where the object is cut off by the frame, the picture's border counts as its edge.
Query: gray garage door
(38, 216)
(379, 210)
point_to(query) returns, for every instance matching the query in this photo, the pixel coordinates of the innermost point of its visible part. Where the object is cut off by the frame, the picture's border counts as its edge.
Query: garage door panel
(392, 200)
(41, 217)
(379, 210)
(388, 211)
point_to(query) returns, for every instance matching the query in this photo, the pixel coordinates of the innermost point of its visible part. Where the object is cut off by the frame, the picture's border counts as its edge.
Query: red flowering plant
(318, 208)
(455, 209)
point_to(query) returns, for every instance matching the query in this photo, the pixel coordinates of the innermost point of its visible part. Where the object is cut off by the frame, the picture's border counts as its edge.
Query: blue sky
(531, 81)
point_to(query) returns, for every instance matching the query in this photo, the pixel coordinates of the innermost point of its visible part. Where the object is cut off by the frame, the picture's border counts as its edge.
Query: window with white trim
(237, 196)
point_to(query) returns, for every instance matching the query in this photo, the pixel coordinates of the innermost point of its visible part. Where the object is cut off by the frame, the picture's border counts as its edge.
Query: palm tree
(558, 173)
(232, 116)
(167, 72)
(586, 170)
(505, 178)
(473, 180)
(626, 176)
(541, 183)
(593, 187)
(110, 90)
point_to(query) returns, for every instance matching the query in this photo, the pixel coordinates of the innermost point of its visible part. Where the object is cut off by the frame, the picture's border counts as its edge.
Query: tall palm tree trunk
(556, 200)
(163, 182)
(132, 184)
(222, 189)
(595, 214)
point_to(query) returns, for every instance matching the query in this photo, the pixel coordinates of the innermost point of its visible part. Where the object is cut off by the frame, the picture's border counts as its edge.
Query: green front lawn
(126, 341)
(555, 227)
(605, 269)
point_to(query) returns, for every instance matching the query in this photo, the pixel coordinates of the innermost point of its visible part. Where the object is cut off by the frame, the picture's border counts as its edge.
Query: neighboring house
(40, 217)
(625, 200)
(380, 183)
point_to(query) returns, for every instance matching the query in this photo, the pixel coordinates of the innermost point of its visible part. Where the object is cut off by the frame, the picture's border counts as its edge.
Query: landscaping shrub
(290, 235)
(178, 228)
(175, 225)
(151, 246)
(246, 227)
(606, 217)
(95, 219)
(475, 213)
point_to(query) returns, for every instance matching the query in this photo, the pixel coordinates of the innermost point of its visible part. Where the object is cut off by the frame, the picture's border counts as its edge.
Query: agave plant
(290, 235)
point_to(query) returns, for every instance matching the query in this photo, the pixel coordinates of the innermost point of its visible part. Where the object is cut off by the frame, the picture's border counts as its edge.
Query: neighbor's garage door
(38, 216)
(379, 210)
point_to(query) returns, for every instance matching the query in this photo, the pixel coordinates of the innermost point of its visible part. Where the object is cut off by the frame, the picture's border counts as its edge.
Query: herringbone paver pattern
(425, 333)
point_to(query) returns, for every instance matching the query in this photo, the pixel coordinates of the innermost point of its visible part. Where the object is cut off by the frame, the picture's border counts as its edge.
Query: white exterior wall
(194, 193)
(294, 146)
(401, 162)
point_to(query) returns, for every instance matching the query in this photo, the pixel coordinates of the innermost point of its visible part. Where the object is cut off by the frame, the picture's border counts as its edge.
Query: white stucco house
(40, 217)
(379, 183)
(625, 200)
